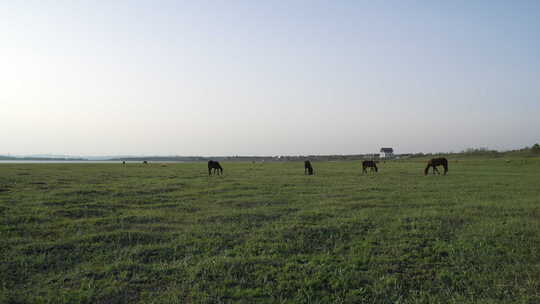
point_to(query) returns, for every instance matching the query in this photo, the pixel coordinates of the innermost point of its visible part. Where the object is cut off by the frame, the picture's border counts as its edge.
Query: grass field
(265, 233)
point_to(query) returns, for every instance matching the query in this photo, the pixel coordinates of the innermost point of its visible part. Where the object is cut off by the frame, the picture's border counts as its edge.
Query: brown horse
(434, 162)
(216, 166)
(369, 164)
(308, 169)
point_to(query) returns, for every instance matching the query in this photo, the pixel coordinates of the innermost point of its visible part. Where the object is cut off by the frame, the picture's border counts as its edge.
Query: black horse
(145, 162)
(434, 162)
(369, 164)
(308, 169)
(216, 166)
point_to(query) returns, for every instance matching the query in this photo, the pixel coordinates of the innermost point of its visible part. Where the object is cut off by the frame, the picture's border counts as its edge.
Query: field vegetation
(266, 233)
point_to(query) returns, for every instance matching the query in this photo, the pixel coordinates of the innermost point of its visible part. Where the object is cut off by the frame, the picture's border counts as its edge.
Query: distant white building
(386, 153)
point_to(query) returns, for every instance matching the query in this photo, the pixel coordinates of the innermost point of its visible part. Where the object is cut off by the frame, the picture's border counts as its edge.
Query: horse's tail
(427, 168)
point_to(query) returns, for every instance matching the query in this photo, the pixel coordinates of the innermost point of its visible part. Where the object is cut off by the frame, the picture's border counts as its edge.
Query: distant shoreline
(78, 161)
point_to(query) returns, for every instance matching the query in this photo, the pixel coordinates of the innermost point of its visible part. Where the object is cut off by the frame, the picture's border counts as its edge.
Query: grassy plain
(265, 233)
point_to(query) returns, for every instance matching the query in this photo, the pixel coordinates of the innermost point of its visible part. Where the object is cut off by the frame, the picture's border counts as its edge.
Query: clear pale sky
(267, 77)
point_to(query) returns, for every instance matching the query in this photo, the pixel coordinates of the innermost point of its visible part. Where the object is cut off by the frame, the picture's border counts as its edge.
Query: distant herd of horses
(214, 167)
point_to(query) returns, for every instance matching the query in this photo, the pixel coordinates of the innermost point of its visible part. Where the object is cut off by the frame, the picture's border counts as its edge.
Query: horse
(434, 162)
(216, 166)
(369, 164)
(123, 162)
(145, 162)
(308, 169)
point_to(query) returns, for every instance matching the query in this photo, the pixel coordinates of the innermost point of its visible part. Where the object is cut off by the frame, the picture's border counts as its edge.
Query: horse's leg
(209, 171)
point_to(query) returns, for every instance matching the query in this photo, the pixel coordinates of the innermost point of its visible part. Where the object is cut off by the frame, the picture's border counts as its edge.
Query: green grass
(265, 233)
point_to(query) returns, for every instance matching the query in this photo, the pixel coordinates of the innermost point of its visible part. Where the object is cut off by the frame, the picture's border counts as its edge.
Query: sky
(267, 77)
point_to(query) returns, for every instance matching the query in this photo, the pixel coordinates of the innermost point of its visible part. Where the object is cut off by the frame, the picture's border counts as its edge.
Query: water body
(80, 162)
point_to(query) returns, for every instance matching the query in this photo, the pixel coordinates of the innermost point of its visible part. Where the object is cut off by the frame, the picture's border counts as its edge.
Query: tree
(535, 149)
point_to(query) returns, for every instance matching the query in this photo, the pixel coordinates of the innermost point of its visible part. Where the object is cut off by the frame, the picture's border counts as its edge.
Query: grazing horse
(369, 164)
(308, 169)
(434, 162)
(216, 166)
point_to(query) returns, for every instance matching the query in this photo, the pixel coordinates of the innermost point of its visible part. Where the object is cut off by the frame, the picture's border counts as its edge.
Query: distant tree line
(485, 152)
